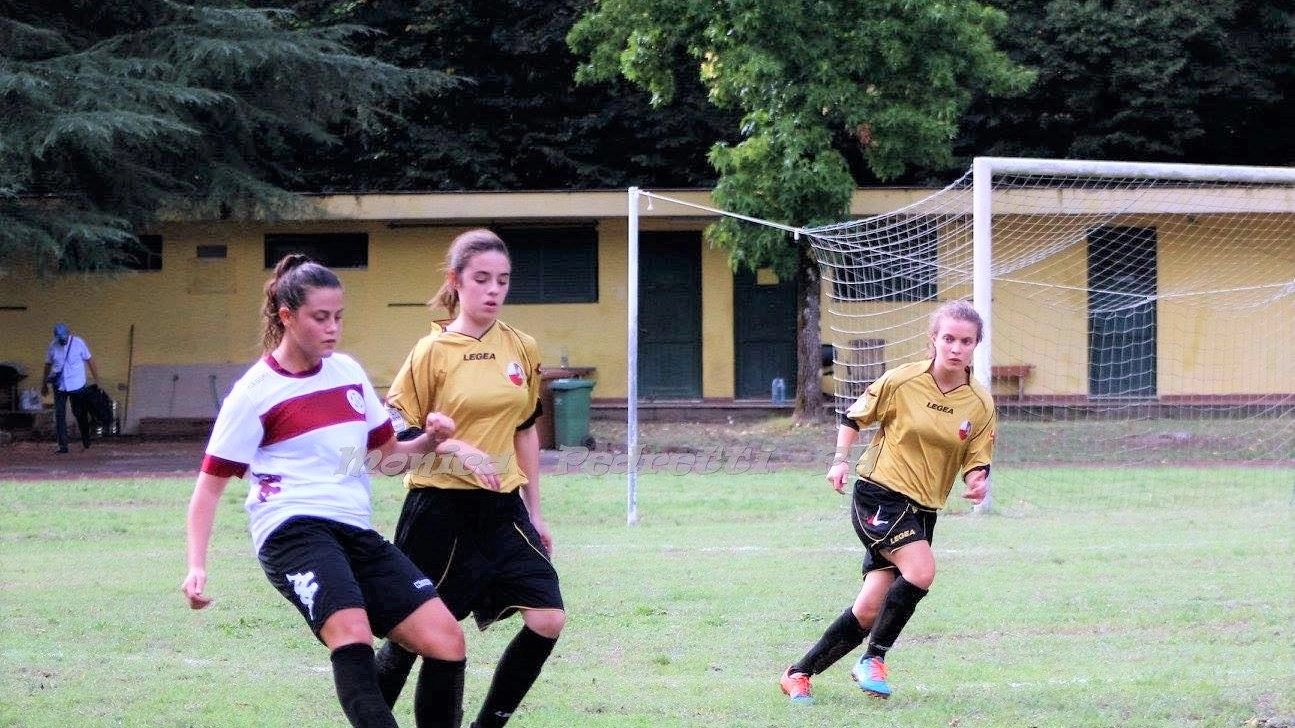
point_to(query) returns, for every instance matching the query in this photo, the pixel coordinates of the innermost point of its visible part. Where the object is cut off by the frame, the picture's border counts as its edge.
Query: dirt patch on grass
(118, 457)
(775, 441)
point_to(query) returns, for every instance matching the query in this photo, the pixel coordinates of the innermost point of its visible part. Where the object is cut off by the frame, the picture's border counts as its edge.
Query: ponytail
(294, 277)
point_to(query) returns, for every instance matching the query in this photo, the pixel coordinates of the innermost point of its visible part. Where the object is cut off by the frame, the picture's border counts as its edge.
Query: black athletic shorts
(885, 520)
(481, 550)
(323, 566)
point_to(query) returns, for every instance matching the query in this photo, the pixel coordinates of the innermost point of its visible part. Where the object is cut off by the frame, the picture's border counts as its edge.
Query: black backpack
(100, 406)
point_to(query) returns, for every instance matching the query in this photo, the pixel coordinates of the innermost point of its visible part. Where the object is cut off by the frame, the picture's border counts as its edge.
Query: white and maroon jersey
(296, 434)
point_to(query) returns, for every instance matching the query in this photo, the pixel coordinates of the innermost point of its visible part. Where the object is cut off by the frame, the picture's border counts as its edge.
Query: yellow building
(169, 340)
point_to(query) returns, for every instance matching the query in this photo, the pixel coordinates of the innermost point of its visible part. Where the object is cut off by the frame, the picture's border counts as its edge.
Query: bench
(1015, 373)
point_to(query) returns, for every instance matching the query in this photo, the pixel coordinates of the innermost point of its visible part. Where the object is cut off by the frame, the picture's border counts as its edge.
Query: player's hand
(192, 587)
(837, 475)
(438, 426)
(976, 490)
(483, 467)
(546, 538)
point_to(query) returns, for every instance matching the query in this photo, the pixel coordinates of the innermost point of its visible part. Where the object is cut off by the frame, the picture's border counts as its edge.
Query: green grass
(1046, 613)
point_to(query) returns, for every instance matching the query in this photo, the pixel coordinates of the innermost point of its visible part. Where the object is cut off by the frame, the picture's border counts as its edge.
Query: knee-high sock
(356, 677)
(901, 600)
(838, 640)
(394, 664)
(438, 697)
(517, 670)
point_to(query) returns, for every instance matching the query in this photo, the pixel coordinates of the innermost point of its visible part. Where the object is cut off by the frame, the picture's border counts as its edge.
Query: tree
(117, 112)
(519, 121)
(812, 79)
(1196, 81)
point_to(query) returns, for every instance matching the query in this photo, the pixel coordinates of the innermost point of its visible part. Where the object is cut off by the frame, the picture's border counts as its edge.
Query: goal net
(1140, 318)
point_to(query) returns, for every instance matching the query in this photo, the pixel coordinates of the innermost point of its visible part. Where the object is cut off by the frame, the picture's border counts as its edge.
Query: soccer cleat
(796, 686)
(870, 676)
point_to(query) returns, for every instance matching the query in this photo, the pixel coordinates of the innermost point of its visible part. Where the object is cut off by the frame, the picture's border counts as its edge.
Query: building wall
(1204, 347)
(199, 319)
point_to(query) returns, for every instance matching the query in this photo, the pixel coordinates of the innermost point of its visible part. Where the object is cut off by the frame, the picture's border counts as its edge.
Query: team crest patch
(356, 400)
(964, 429)
(516, 374)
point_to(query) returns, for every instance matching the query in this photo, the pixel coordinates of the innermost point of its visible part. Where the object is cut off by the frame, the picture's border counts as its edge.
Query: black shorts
(481, 550)
(323, 566)
(885, 520)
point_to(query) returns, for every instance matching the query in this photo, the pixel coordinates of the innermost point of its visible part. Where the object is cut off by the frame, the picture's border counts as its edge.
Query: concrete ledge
(691, 410)
(175, 428)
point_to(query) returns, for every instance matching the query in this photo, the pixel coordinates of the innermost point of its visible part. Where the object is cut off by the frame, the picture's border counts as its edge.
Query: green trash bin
(571, 412)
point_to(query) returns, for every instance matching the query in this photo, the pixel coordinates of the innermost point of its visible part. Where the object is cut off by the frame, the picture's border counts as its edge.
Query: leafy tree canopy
(811, 78)
(1197, 81)
(119, 111)
(519, 120)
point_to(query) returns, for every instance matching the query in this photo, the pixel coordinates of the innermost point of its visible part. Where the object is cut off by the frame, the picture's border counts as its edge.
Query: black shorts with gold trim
(885, 520)
(480, 549)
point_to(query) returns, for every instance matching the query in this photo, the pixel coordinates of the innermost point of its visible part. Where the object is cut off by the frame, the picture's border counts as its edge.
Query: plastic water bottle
(778, 391)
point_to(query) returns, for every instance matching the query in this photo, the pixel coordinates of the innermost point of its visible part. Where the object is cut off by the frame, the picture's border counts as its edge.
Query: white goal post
(1139, 314)
(984, 169)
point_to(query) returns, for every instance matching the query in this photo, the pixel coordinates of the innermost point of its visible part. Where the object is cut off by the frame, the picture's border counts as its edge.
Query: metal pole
(982, 286)
(631, 358)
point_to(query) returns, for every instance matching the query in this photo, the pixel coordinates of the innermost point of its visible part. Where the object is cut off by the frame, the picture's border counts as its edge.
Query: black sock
(837, 641)
(356, 676)
(438, 697)
(901, 600)
(394, 664)
(517, 670)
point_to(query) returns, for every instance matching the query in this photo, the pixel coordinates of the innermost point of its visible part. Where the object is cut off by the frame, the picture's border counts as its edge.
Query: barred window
(556, 264)
(335, 250)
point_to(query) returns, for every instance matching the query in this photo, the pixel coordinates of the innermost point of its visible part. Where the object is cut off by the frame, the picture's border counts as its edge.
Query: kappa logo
(305, 586)
(875, 519)
(964, 429)
(267, 486)
(516, 374)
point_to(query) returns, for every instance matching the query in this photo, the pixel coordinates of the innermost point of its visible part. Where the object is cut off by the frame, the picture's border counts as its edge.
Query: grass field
(1045, 613)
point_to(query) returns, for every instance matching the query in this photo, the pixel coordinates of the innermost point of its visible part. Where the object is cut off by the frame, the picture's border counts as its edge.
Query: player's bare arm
(483, 466)
(526, 443)
(839, 472)
(437, 429)
(202, 514)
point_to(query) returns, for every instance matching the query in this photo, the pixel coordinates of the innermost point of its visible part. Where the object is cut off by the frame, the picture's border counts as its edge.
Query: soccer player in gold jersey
(936, 423)
(471, 517)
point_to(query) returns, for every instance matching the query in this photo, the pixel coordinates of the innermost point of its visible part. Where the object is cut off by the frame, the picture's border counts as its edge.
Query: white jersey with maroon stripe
(295, 435)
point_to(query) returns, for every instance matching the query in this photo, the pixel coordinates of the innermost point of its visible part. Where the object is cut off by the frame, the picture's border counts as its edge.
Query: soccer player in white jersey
(936, 424)
(291, 423)
(473, 520)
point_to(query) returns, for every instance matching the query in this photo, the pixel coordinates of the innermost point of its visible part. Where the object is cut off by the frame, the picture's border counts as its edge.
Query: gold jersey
(925, 438)
(489, 386)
